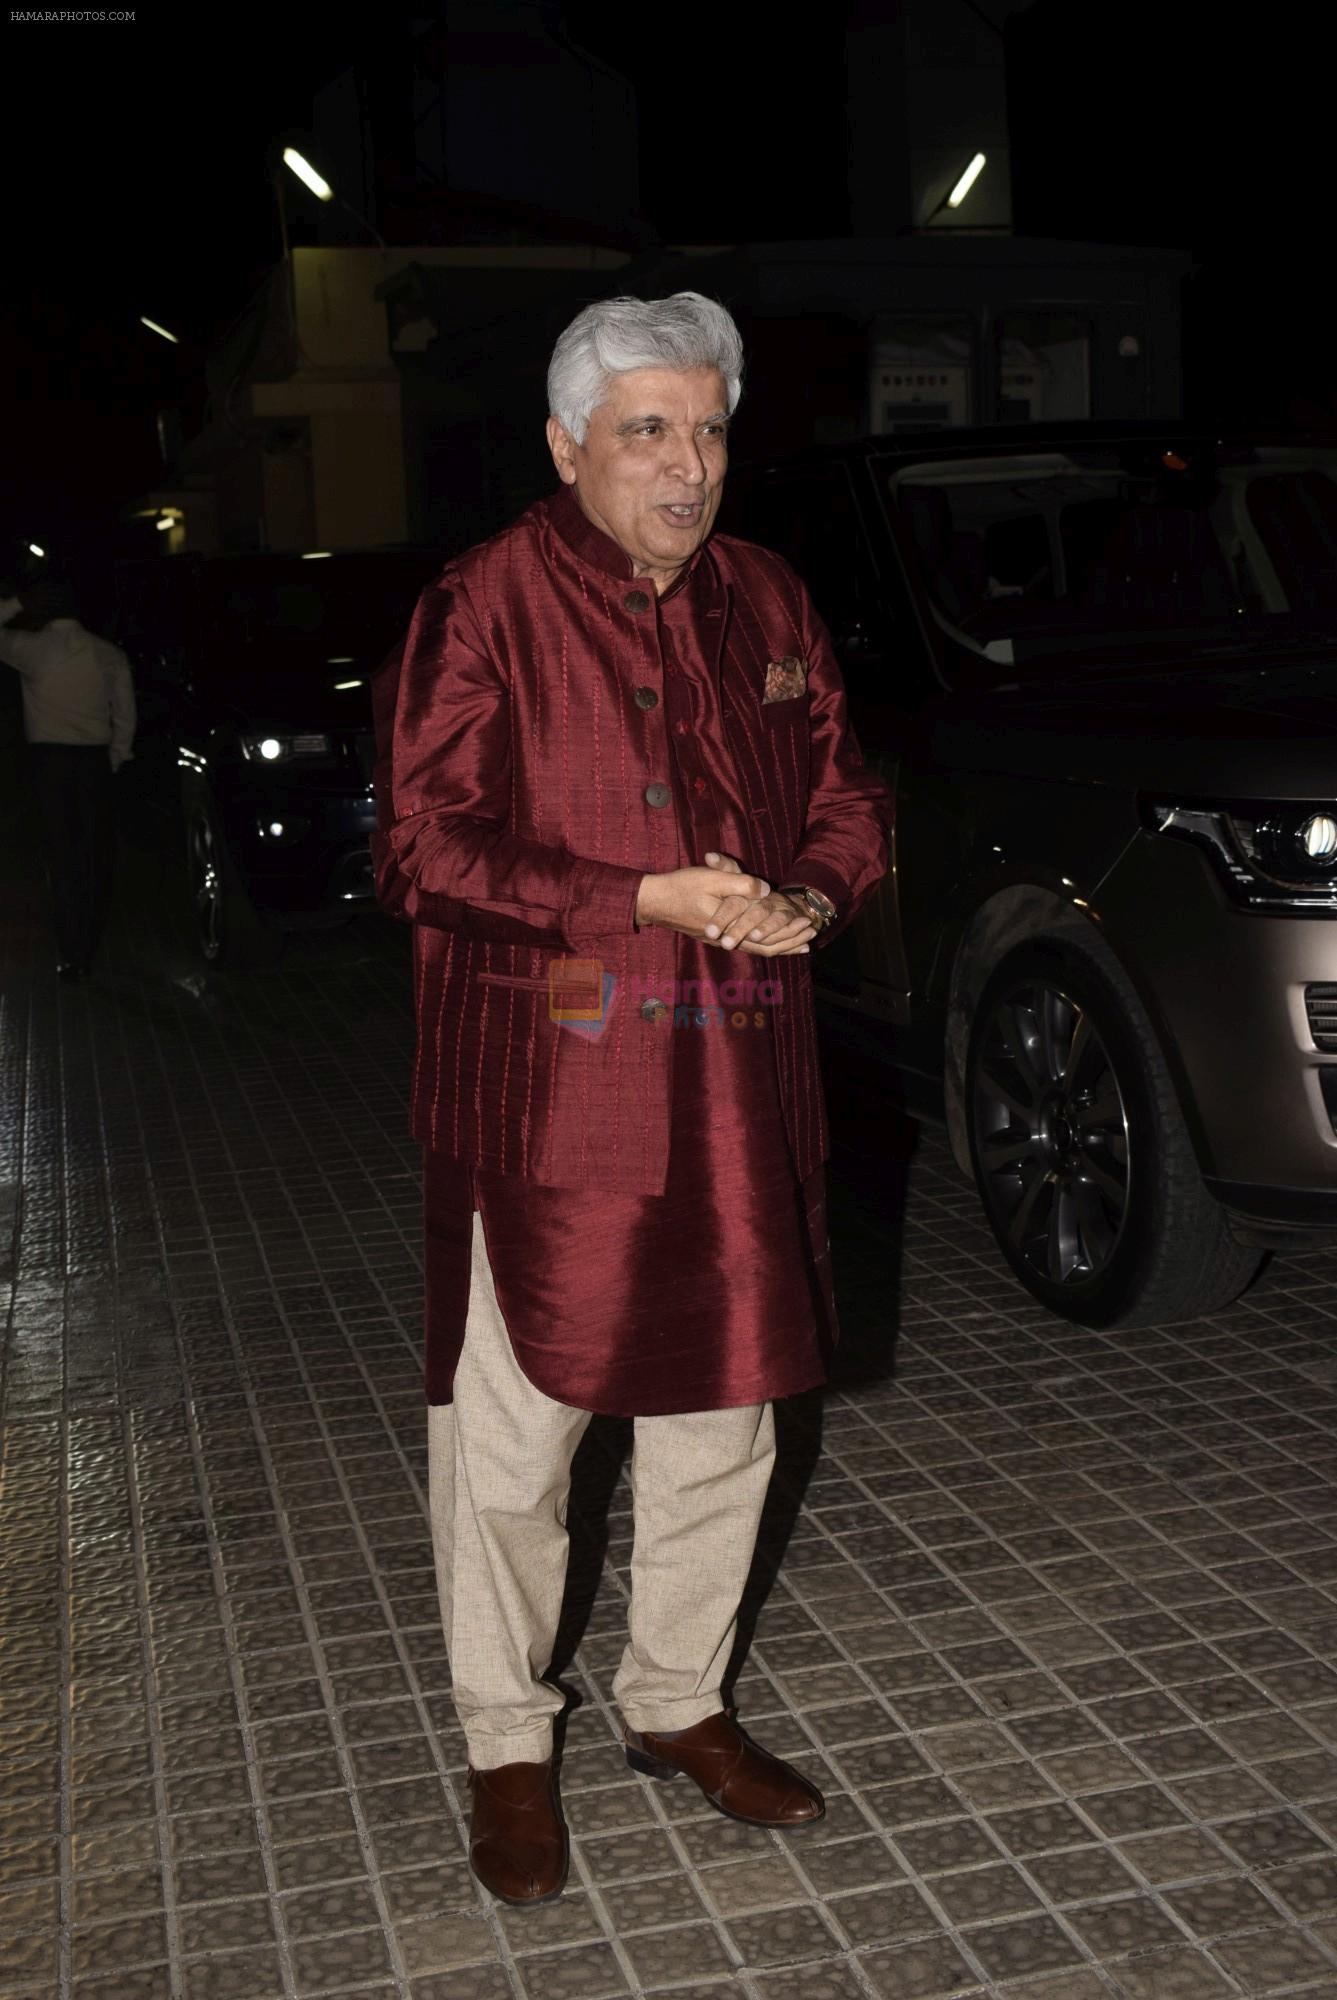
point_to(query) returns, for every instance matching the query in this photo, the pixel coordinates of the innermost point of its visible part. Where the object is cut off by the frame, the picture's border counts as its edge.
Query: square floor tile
(240, 1975)
(982, 1895)
(661, 1899)
(763, 1884)
(30, 1957)
(463, 1982)
(1308, 1888)
(425, 1892)
(572, 1919)
(996, 1787)
(133, 1941)
(923, 1971)
(883, 1916)
(1128, 1923)
(225, 1926)
(832, 1981)
(434, 1944)
(339, 1906)
(1080, 1874)
(216, 1877)
(1037, 1830)
(625, 1856)
(1184, 1855)
(932, 1850)
(1268, 1960)
(1133, 1809)
(670, 1957)
(126, 1892)
(585, 1972)
(1270, 1837)
(153, 1982)
(339, 1960)
(1012, 1950)
(783, 1937)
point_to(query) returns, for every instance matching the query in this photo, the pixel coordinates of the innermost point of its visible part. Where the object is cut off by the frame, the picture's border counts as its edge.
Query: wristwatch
(819, 907)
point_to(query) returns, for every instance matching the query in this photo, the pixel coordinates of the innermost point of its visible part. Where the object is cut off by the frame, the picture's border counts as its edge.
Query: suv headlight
(1269, 856)
(272, 749)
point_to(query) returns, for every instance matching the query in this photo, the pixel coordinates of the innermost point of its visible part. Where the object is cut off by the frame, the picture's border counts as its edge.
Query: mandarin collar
(591, 545)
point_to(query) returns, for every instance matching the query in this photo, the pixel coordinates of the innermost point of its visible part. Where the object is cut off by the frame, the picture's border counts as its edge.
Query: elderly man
(621, 803)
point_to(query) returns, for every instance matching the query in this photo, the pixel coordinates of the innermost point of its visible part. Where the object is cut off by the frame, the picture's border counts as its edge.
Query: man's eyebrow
(631, 423)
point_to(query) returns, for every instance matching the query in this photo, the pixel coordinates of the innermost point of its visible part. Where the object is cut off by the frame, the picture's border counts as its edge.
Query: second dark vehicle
(253, 676)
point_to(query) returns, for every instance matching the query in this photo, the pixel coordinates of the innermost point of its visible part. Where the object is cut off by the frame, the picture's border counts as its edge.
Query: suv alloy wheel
(1081, 1156)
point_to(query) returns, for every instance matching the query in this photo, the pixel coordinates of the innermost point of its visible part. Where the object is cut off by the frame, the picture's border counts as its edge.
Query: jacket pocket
(539, 985)
(787, 710)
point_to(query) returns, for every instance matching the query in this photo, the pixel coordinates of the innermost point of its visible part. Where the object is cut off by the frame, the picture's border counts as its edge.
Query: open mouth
(685, 515)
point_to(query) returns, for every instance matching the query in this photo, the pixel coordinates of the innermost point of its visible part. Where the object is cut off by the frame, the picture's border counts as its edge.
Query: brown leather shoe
(518, 1845)
(739, 1778)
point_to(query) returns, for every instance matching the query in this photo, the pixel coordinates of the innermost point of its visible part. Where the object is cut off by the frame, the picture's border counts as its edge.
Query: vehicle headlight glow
(1269, 856)
(269, 749)
(1318, 837)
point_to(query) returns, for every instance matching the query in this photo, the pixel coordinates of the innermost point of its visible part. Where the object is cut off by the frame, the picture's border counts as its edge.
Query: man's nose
(687, 463)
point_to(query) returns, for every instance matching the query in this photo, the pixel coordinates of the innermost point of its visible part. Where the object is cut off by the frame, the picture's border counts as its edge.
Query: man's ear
(563, 451)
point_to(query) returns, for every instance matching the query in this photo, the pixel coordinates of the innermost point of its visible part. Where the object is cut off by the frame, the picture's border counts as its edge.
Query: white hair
(614, 336)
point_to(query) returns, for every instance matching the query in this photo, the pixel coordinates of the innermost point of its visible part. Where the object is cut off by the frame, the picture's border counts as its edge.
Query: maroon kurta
(717, 1292)
(531, 770)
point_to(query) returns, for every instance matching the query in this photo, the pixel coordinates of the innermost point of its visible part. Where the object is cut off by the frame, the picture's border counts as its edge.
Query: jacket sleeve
(445, 853)
(17, 650)
(844, 848)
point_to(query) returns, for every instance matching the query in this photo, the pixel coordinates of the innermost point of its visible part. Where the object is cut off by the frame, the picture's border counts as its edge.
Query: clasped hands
(747, 914)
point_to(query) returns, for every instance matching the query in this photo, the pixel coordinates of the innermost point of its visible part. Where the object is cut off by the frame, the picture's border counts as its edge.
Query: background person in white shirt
(79, 719)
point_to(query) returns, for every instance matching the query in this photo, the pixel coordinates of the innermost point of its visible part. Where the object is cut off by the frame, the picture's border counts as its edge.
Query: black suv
(1099, 668)
(253, 680)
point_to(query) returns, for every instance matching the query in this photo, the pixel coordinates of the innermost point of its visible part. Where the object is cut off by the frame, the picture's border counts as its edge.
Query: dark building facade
(843, 337)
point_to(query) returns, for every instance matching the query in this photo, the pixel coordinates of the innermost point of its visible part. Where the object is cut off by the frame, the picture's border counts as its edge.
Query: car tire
(229, 931)
(1081, 1156)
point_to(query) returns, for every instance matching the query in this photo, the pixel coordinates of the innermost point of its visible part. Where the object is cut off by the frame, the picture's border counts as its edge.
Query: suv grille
(1321, 1007)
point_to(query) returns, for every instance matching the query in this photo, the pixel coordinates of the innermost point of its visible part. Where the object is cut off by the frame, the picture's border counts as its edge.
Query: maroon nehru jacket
(521, 786)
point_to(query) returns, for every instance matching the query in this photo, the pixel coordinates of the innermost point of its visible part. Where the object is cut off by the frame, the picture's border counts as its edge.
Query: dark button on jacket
(636, 600)
(646, 698)
(656, 795)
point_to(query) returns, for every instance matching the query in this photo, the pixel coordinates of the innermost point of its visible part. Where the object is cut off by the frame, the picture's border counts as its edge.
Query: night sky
(137, 182)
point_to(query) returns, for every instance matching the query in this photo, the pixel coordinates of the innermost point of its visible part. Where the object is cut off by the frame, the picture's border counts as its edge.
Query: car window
(328, 610)
(1132, 545)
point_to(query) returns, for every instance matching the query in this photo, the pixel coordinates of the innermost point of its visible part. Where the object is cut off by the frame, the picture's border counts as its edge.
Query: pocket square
(785, 678)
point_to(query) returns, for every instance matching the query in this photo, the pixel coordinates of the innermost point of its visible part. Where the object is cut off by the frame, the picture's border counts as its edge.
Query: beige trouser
(499, 1476)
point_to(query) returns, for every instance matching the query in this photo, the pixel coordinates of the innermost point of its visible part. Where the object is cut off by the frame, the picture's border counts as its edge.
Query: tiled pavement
(1055, 1623)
